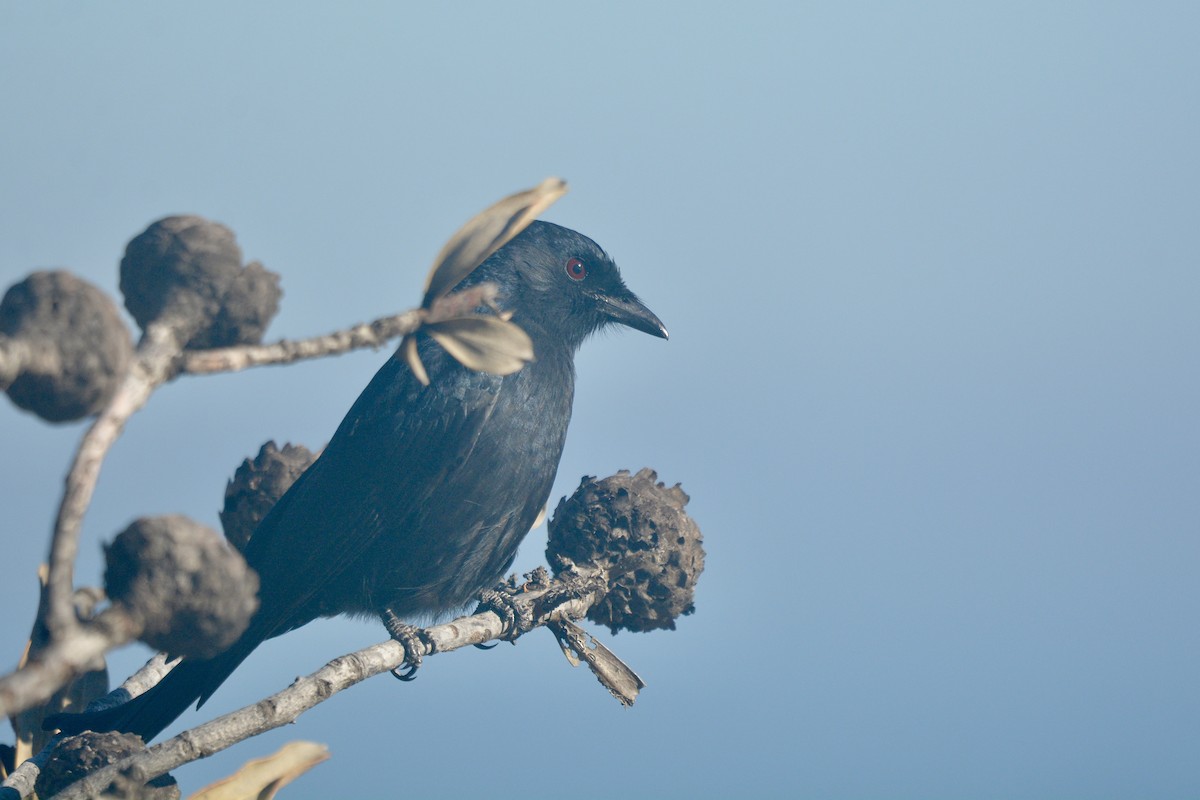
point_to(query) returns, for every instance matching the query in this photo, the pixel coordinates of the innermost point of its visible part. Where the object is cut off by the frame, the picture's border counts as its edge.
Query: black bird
(423, 494)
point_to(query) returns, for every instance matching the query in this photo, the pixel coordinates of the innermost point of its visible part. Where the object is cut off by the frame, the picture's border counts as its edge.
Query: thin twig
(232, 359)
(544, 604)
(370, 334)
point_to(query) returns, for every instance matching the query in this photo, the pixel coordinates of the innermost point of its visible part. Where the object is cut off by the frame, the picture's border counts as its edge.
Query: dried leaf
(486, 233)
(408, 349)
(487, 344)
(613, 673)
(261, 778)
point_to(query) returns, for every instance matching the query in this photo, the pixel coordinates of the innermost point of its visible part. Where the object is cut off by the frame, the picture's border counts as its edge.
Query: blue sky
(931, 274)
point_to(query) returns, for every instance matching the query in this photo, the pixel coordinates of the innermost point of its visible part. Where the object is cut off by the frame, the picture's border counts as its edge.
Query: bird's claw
(516, 618)
(405, 672)
(415, 642)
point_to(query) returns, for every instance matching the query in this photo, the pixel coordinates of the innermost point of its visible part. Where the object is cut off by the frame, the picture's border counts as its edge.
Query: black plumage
(424, 493)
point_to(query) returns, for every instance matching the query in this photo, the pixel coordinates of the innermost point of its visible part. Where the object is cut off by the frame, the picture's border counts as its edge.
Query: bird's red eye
(576, 269)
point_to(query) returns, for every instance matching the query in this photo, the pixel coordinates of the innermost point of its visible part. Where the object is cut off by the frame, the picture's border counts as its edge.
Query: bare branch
(369, 334)
(232, 359)
(559, 599)
(144, 679)
(157, 350)
(63, 659)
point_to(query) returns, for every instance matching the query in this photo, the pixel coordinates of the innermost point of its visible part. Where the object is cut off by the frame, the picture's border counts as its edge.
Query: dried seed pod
(63, 347)
(80, 755)
(636, 529)
(193, 593)
(187, 272)
(257, 486)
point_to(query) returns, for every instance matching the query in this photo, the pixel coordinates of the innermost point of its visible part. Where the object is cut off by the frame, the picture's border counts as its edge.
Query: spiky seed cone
(257, 486)
(636, 529)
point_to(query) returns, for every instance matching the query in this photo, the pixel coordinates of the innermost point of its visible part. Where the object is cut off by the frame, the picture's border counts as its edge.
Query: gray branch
(64, 659)
(370, 334)
(548, 604)
(150, 369)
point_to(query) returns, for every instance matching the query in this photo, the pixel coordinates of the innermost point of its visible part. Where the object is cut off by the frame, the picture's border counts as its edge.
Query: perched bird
(423, 494)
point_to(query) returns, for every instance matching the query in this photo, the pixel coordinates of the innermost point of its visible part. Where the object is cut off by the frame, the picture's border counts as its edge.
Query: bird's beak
(628, 310)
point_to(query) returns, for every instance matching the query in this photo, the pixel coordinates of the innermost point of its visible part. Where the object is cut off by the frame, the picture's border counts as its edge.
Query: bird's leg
(414, 640)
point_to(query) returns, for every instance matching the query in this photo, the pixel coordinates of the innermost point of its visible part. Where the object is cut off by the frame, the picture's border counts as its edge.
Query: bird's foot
(517, 618)
(415, 641)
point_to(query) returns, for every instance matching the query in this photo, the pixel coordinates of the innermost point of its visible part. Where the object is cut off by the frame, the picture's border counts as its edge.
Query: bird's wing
(392, 452)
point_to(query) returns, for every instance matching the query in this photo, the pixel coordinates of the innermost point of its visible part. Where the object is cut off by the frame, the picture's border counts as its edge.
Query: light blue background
(931, 273)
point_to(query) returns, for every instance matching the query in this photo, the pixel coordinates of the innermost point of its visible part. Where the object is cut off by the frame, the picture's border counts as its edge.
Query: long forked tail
(150, 712)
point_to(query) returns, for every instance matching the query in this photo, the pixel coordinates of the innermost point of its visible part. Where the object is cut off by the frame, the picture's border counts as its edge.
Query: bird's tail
(150, 712)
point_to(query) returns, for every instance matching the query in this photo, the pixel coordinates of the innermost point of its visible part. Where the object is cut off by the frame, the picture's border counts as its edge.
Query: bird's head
(561, 286)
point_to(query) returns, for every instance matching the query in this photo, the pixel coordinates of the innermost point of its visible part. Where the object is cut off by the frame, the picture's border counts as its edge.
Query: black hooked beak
(628, 310)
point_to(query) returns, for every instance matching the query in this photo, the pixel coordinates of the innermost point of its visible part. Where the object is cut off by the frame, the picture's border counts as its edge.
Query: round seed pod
(636, 529)
(257, 486)
(63, 347)
(76, 756)
(193, 594)
(187, 272)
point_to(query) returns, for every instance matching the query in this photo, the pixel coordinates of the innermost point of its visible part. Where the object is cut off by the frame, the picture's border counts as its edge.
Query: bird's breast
(459, 531)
